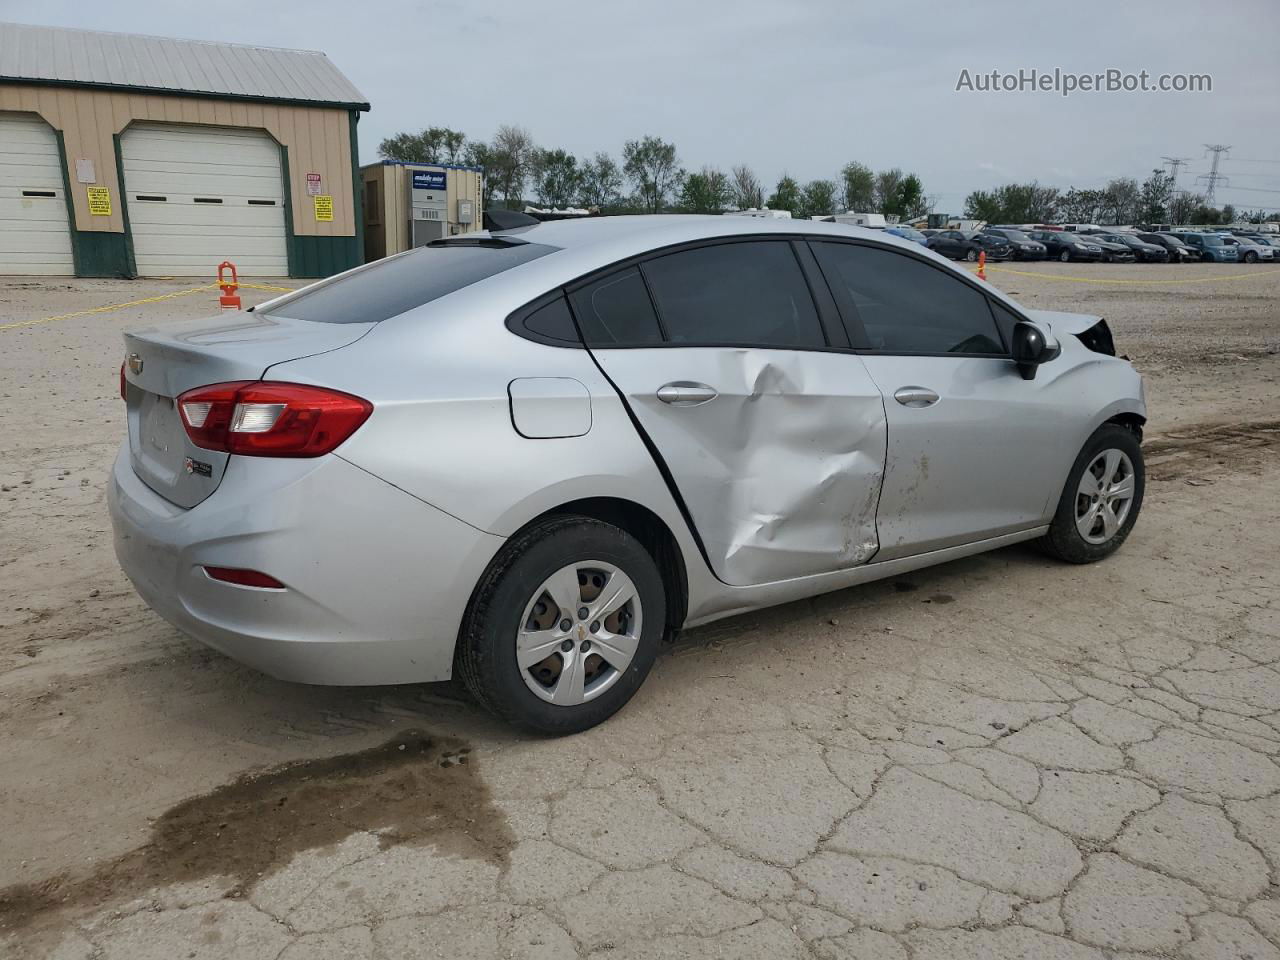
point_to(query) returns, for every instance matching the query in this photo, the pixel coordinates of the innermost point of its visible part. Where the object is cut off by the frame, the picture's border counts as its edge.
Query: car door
(974, 450)
(948, 243)
(766, 424)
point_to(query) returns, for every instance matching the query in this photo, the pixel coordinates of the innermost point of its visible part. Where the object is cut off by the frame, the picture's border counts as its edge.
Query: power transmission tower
(1213, 177)
(1175, 164)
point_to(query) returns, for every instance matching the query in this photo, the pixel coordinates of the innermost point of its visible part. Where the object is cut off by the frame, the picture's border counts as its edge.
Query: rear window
(390, 287)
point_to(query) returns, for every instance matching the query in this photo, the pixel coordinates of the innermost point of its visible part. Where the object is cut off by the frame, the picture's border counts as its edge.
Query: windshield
(908, 233)
(1016, 235)
(390, 287)
(1211, 240)
(1173, 240)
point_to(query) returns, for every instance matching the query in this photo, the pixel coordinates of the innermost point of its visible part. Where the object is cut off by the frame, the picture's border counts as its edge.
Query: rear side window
(390, 287)
(750, 294)
(616, 311)
(906, 305)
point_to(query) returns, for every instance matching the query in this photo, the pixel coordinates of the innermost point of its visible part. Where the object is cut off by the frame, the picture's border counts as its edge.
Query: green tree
(556, 177)
(1014, 203)
(748, 193)
(1154, 197)
(910, 200)
(1121, 201)
(786, 195)
(706, 191)
(887, 185)
(510, 156)
(858, 187)
(653, 167)
(817, 199)
(432, 145)
(600, 183)
(1228, 213)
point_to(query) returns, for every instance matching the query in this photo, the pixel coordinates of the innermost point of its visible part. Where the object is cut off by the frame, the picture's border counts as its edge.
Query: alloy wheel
(1104, 496)
(579, 632)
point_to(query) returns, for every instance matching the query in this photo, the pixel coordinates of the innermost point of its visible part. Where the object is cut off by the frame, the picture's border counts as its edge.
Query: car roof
(650, 231)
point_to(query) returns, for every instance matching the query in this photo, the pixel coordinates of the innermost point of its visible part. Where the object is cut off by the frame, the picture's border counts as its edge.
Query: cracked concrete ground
(1002, 757)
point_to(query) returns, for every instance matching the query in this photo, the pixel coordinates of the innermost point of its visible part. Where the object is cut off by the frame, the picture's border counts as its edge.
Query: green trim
(71, 206)
(94, 253)
(357, 189)
(131, 263)
(200, 94)
(322, 256)
(290, 253)
(317, 256)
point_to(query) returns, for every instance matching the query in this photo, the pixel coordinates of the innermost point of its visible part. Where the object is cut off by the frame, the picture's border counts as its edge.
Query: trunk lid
(163, 362)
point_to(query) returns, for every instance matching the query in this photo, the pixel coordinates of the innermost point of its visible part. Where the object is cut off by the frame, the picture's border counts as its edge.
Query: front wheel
(1100, 502)
(563, 626)
(971, 255)
(1065, 256)
(1251, 257)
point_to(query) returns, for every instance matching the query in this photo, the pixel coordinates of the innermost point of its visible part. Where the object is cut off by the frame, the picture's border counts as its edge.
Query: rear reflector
(244, 578)
(263, 419)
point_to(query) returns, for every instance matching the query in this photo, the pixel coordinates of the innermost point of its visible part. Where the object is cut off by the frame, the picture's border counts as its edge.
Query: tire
(512, 588)
(1065, 540)
(1065, 256)
(971, 255)
(1250, 257)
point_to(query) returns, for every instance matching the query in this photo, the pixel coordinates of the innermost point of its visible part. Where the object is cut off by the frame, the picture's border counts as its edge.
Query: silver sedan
(526, 456)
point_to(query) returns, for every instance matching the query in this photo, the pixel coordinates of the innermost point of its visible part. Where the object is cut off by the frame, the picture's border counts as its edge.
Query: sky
(799, 87)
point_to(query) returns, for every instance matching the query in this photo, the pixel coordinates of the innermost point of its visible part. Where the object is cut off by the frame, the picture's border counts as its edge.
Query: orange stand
(230, 300)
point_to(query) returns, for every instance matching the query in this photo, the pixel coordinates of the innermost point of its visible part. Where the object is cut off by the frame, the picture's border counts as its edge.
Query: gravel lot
(1000, 757)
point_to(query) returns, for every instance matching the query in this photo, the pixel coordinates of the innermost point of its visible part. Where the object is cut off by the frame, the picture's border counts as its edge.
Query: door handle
(916, 397)
(686, 393)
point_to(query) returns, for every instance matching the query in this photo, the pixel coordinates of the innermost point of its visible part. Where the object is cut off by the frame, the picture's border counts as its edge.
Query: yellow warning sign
(99, 201)
(324, 208)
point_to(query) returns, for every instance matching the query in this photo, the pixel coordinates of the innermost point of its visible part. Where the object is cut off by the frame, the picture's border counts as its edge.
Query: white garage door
(35, 235)
(201, 195)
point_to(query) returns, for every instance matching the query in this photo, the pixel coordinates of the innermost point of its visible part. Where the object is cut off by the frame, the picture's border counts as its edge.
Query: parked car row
(1100, 245)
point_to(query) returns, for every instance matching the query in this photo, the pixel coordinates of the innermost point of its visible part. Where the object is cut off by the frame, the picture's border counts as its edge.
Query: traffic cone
(982, 264)
(230, 300)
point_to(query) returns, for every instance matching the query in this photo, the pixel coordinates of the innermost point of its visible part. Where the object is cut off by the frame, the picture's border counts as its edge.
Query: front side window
(751, 293)
(906, 305)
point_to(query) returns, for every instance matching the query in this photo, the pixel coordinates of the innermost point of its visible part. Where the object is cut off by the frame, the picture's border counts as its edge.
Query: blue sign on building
(428, 179)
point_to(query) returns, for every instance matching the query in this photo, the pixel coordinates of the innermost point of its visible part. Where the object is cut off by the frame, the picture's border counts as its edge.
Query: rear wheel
(564, 625)
(1102, 497)
(1065, 256)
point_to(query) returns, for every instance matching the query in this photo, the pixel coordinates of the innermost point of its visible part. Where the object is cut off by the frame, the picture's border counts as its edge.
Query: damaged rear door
(772, 432)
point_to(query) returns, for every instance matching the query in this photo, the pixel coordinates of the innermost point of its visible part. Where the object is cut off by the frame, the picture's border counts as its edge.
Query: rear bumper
(376, 581)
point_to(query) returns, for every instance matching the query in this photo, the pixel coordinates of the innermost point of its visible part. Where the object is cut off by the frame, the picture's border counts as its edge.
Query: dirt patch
(410, 790)
(1199, 453)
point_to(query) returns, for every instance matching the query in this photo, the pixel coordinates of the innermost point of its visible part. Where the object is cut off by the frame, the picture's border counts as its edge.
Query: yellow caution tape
(1053, 276)
(137, 303)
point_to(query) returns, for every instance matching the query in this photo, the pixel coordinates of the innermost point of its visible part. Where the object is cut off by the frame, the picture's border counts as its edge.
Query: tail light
(124, 384)
(261, 419)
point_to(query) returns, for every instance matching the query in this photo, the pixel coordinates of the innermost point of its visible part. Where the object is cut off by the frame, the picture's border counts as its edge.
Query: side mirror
(1032, 346)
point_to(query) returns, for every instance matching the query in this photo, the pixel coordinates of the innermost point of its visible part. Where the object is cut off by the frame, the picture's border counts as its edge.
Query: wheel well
(1132, 421)
(655, 536)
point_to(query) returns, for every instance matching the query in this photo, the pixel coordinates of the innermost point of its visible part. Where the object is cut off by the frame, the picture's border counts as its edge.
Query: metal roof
(166, 65)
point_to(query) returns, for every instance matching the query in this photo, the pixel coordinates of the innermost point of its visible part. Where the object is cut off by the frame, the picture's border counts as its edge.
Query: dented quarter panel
(781, 471)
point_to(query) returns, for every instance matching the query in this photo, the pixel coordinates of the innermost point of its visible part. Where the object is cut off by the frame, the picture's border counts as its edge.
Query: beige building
(409, 204)
(123, 155)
